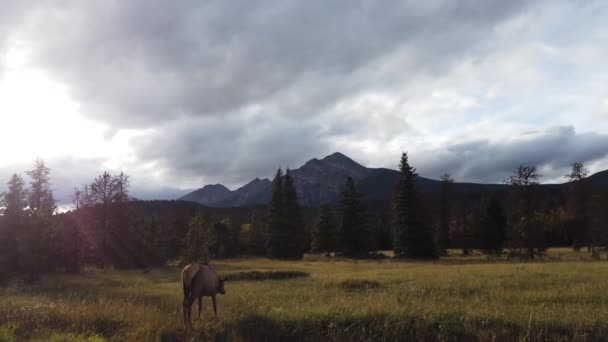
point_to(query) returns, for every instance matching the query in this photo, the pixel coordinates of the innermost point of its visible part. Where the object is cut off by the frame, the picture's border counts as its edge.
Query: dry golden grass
(456, 298)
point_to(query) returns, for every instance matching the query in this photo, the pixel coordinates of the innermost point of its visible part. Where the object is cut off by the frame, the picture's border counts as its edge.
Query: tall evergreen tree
(276, 216)
(40, 239)
(525, 231)
(577, 207)
(493, 227)
(12, 207)
(324, 233)
(294, 240)
(222, 243)
(150, 245)
(116, 235)
(445, 211)
(101, 195)
(197, 240)
(285, 225)
(355, 239)
(412, 237)
(258, 234)
(40, 198)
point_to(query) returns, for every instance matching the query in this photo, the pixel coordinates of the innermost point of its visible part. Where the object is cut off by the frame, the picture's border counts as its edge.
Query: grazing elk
(199, 280)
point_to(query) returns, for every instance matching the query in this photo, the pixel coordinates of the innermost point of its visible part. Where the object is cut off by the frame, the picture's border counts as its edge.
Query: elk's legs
(200, 304)
(214, 306)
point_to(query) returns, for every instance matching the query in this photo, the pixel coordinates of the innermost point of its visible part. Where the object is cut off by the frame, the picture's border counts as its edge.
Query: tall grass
(331, 299)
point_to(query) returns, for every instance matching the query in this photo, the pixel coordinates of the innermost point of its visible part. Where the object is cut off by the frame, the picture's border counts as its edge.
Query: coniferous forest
(107, 227)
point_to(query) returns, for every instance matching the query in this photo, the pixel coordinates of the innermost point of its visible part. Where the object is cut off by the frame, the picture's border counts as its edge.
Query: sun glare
(39, 119)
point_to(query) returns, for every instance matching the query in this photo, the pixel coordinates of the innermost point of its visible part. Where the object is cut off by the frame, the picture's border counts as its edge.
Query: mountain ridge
(320, 181)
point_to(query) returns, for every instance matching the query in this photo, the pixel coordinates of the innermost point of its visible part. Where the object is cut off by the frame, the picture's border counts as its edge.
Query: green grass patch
(266, 275)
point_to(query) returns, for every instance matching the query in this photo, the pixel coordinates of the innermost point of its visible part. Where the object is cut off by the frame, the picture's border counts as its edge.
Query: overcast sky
(179, 94)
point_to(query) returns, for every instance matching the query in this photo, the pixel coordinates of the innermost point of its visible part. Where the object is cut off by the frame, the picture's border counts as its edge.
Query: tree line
(521, 225)
(107, 227)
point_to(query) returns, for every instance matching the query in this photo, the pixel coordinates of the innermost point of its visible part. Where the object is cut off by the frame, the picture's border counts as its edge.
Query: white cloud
(602, 112)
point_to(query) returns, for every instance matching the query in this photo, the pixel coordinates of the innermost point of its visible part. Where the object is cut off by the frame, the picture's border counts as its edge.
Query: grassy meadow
(562, 298)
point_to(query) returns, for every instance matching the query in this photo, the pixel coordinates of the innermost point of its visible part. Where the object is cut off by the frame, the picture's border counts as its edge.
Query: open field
(564, 298)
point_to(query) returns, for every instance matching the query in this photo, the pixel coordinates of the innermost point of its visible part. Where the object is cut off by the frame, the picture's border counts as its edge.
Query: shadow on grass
(266, 275)
(448, 327)
(27, 324)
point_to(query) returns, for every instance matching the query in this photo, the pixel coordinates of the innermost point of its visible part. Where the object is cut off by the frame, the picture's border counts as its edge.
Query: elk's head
(220, 286)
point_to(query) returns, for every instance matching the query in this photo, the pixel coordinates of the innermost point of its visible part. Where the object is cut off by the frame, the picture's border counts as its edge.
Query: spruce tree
(294, 239)
(525, 231)
(276, 215)
(12, 207)
(412, 237)
(40, 239)
(115, 235)
(324, 231)
(222, 244)
(445, 213)
(493, 226)
(577, 207)
(258, 235)
(355, 239)
(197, 240)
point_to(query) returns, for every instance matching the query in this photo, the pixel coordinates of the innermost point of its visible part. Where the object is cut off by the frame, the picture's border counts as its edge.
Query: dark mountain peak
(255, 192)
(344, 165)
(215, 187)
(256, 182)
(339, 160)
(313, 164)
(208, 195)
(338, 157)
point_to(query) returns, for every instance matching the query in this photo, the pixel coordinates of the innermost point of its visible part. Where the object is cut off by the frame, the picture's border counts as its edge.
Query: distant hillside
(320, 180)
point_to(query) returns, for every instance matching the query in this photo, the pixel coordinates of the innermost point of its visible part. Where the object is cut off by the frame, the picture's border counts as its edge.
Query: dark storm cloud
(555, 149)
(229, 90)
(139, 63)
(231, 150)
(194, 70)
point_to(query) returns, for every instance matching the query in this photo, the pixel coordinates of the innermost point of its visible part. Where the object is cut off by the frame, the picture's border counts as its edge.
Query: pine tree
(12, 207)
(412, 237)
(40, 238)
(493, 226)
(577, 208)
(525, 231)
(354, 235)
(197, 240)
(324, 233)
(101, 196)
(150, 246)
(294, 239)
(222, 243)
(40, 198)
(258, 235)
(116, 235)
(285, 225)
(276, 215)
(445, 216)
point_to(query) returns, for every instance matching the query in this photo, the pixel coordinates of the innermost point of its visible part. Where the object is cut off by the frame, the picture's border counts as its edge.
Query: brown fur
(198, 281)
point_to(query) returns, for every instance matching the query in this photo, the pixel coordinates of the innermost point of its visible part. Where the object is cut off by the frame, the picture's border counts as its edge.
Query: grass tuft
(354, 285)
